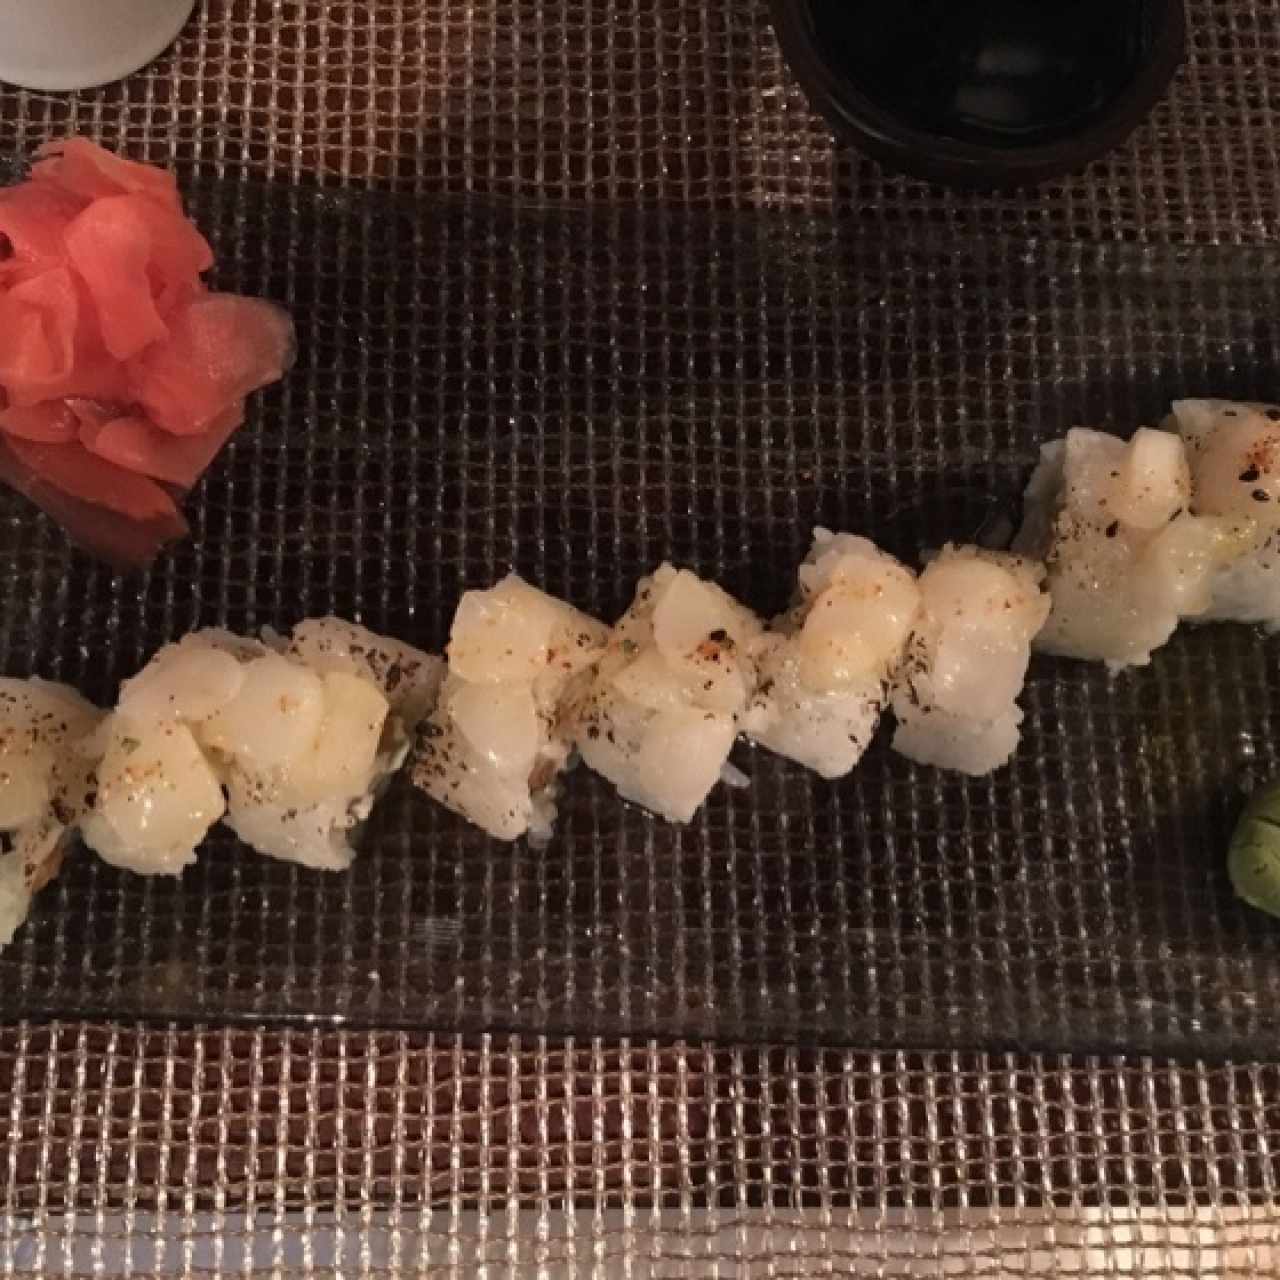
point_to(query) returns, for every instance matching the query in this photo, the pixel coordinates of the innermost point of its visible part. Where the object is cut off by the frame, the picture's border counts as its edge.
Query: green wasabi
(1254, 860)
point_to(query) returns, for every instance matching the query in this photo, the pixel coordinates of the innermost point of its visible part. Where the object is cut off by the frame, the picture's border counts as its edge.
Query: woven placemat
(650, 101)
(346, 1151)
(220, 1153)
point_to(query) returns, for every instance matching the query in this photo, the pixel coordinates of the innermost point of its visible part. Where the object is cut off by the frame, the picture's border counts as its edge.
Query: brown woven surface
(213, 1152)
(187, 1152)
(638, 100)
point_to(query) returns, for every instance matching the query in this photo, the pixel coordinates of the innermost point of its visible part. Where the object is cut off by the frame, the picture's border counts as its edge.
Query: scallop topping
(825, 665)
(312, 738)
(495, 746)
(47, 778)
(157, 797)
(408, 678)
(955, 696)
(159, 792)
(660, 715)
(300, 753)
(1127, 559)
(1234, 451)
(303, 755)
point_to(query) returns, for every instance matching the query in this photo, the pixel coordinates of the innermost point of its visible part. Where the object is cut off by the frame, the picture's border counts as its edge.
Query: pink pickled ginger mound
(89, 172)
(121, 375)
(133, 443)
(39, 321)
(220, 348)
(124, 538)
(33, 220)
(53, 422)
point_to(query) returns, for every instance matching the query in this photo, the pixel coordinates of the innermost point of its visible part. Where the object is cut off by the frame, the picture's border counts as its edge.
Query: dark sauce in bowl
(1008, 77)
(1009, 72)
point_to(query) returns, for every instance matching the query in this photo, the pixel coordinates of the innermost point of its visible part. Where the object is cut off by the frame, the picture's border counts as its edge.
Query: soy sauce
(995, 72)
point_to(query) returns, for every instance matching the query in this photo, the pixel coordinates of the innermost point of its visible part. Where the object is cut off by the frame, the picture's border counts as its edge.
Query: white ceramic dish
(59, 45)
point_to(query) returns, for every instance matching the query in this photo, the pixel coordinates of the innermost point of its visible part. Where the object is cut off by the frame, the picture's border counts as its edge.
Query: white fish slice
(955, 695)
(660, 714)
(824, 667)
(495, 746)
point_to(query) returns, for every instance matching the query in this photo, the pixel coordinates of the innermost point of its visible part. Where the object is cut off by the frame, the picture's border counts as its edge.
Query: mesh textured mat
(695, 330)
(177, 1153)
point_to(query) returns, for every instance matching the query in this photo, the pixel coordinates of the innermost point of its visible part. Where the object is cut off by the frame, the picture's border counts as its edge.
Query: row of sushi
(289, 739)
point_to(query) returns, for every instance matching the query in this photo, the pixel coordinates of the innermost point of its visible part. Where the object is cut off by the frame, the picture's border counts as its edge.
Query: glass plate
(579, 395)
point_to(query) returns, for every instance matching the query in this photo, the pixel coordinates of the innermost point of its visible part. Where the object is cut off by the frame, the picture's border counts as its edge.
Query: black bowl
(985, 93)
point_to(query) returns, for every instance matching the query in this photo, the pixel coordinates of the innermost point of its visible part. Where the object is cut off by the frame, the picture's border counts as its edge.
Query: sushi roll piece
(301, 789)
(1126, 558)
(955, 696)
(158, 791)
(158, 796)
(1234, 451)
(47, 778)
(824, 667)
(301, 753)
(312, 738)
(660, 715)
(496, 744)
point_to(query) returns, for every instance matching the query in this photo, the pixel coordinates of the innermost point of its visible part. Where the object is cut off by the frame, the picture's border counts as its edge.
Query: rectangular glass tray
(579, 395)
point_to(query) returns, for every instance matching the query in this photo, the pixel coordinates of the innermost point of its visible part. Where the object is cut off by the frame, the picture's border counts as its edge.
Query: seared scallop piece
(495, 746)
(825, 666)
(660, 714)
(48, 760)
(1127, 559)
(1234, 450)
(955, 695)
